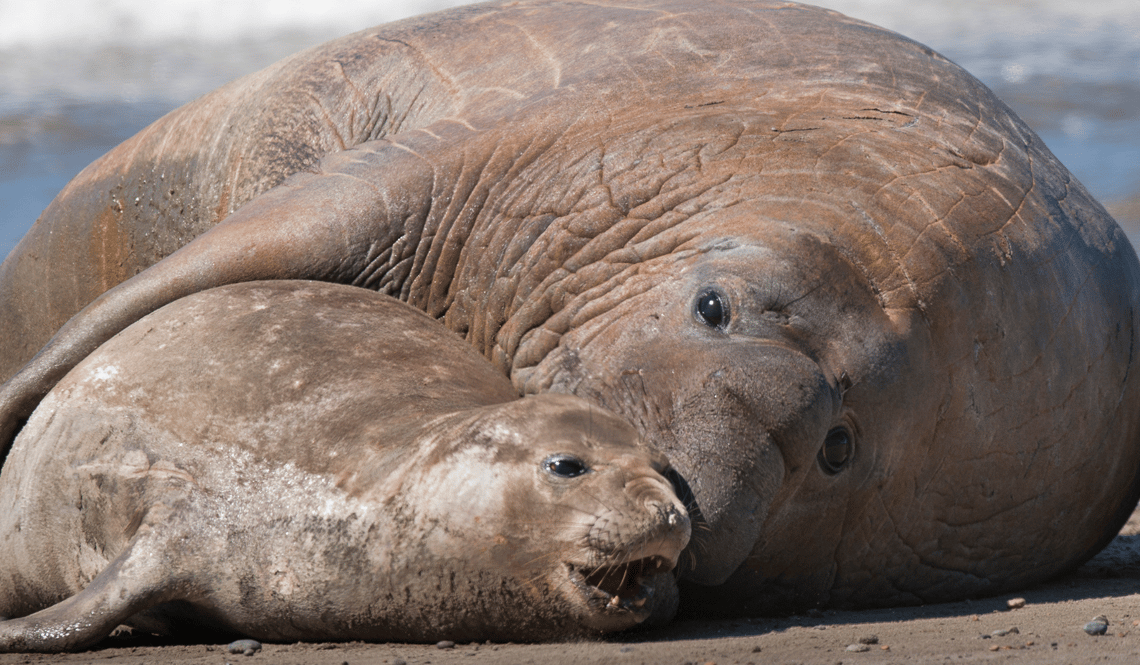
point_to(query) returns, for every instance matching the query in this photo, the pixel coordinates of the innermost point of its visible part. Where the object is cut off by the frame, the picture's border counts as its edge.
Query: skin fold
(885, 338)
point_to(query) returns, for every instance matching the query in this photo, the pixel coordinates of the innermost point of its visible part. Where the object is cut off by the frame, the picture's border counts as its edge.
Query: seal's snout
(632, 547)
(664, 523)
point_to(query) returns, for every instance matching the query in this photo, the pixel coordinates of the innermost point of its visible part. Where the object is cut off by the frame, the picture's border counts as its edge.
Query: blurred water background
(77, 77)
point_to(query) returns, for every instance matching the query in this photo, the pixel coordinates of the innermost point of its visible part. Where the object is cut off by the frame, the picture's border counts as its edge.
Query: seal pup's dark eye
(836, 451)
(565, 466)
(711, 309)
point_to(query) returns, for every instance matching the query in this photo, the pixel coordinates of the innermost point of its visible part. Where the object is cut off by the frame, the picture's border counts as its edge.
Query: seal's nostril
(671, 515)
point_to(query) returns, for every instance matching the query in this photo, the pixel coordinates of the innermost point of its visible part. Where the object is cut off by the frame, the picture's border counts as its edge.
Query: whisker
(543, 557)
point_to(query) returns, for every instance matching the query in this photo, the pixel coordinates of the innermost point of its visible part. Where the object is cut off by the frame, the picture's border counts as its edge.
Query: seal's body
(300, 460)
(821, 268)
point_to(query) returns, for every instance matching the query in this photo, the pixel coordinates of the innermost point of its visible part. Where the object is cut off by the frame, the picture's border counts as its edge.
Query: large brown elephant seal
(299, 460)
(824, 270)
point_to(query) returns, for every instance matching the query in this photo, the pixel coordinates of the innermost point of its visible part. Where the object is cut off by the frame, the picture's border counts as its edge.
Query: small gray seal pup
(308, 461)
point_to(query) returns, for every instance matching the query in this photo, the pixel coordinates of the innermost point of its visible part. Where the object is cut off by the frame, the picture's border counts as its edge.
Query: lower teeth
(616, 601)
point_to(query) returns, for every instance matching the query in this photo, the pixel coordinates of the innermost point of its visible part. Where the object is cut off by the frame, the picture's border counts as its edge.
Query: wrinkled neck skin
(868, 279)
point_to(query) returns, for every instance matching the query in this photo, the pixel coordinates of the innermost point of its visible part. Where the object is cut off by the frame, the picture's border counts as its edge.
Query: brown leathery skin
(307, 461)
(899, 255)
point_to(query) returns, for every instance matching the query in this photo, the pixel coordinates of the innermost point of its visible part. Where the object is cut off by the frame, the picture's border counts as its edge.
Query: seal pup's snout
(669, 524)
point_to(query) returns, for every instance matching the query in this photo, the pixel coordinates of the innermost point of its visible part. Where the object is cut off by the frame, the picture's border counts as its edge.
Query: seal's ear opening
(837, 450)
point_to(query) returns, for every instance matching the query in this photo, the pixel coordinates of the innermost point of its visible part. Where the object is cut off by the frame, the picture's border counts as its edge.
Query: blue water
(1114, 167)
(45, 148)
(72, 89)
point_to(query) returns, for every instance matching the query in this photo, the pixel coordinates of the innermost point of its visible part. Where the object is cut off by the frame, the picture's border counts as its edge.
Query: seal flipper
(332, 224)
(135, 581)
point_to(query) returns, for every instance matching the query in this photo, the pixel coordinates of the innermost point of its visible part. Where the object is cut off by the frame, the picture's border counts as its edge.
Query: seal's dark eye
(836, 451)
(565, 466)
(711, 309)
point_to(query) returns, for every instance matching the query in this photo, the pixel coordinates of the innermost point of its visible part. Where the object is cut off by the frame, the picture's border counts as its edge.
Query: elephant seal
(309, 461)
(820, 267)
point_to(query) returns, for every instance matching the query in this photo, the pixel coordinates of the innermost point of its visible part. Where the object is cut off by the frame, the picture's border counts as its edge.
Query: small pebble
(756, 649)
(399, 661)
(245, 647)
(858, 648)
(869, 639)
(1015, 603)
(1098, 626)
(445, 644)
(1002, 632)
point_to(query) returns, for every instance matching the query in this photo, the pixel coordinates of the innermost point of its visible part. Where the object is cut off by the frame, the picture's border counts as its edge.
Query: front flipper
(368, 215)
(137, 580)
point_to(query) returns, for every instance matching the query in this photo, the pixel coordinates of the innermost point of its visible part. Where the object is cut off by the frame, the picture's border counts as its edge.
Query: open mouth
(623, 587)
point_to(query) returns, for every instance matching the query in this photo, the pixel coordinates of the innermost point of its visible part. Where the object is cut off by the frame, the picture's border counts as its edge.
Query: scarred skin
(891, 266)
(308, 461)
